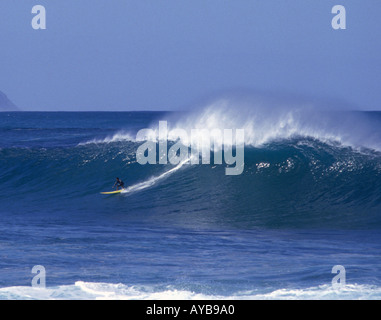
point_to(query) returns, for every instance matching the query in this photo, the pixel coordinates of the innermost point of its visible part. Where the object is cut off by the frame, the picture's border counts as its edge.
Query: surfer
(119, 183)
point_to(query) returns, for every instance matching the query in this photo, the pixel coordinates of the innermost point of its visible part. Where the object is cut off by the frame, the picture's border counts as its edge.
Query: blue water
(305, 202)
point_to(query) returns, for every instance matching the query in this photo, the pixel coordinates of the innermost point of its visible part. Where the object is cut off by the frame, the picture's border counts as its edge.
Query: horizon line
(89, 111)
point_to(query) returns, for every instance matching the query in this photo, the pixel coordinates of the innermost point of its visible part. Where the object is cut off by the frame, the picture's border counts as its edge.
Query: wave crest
(265, 122)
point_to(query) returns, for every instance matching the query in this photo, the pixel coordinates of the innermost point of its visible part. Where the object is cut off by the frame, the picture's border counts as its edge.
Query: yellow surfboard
(113, 192)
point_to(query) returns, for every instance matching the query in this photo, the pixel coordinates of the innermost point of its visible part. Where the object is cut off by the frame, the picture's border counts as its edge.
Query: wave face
(304, 170)
(294, 183)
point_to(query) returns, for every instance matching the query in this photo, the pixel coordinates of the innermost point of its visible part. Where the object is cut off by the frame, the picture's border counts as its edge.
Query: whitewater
(105, 291)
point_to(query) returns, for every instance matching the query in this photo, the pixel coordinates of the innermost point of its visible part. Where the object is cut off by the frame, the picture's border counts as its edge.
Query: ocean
(308, 199)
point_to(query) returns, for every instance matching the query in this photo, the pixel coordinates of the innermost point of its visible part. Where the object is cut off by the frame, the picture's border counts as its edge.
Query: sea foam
(81, 290)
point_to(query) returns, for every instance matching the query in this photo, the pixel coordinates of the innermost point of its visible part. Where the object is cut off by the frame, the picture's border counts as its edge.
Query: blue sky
(168, 54)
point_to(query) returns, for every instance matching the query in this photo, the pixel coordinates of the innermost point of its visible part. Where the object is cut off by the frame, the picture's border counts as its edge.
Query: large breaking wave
(302, 167)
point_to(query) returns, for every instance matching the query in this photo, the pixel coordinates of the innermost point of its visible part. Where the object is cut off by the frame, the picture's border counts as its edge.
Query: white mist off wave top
(264, 123)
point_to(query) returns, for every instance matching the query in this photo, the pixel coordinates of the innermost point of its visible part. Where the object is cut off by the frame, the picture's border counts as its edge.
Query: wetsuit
(119, 183)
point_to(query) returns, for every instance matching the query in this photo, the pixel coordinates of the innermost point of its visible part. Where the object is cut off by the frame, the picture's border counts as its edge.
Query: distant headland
(6, 104)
